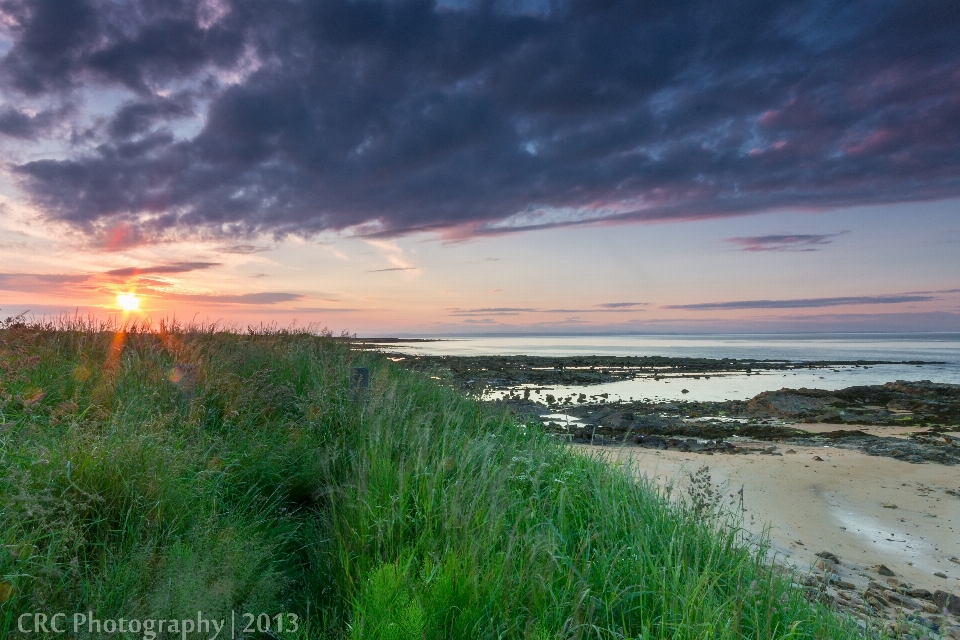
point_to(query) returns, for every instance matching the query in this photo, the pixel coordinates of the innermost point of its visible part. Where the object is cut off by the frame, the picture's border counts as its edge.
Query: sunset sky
(404, 167)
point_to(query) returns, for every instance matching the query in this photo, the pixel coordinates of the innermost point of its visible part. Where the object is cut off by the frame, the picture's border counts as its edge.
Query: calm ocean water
(794, 347)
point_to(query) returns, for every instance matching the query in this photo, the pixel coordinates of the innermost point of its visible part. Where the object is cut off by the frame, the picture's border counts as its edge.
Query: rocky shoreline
(898, 608)
(928, 412)
(475, 373)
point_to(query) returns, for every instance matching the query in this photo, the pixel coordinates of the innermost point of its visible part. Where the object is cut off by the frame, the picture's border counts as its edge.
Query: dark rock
(929, 624)
(900, 403)
(903, 601)
(824, 564)
(876, 598)
(683, 444)
(829, 556)
(789, 403)
(947, 601)
(807, 581)
(651, 442)
(656, 421)
(884, 570)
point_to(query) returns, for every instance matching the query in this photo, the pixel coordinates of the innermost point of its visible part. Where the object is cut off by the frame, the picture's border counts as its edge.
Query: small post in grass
(359, 381)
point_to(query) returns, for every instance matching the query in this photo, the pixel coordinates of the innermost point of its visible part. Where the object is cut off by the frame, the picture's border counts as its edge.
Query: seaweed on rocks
(900, 403)
(499, 372)
(779, 416)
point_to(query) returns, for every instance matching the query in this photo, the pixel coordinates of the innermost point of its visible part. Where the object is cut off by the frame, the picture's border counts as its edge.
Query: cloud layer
(176, 267)
(390, 117)
(608, 307)
(86, 284)
(803, 303)
(785, 241)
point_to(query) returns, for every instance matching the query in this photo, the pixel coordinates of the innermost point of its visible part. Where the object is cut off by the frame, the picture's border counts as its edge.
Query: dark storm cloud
(784, 242)
(390, 117)
(137, 117)
(802, 303)
(176, 267)
(17, 124)
(61, 44)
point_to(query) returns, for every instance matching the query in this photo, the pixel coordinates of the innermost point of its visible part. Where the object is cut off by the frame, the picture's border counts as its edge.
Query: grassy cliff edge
(155, 474)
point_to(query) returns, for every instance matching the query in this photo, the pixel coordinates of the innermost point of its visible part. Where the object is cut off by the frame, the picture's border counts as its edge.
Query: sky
(406, 167)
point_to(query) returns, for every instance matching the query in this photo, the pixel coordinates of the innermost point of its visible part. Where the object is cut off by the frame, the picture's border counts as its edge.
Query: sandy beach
(867, 510)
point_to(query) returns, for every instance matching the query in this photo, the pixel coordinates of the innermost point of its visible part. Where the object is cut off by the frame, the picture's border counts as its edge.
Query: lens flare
(128, 302)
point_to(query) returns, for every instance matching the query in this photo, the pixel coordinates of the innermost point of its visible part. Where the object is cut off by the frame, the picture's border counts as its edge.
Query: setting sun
(128, 302)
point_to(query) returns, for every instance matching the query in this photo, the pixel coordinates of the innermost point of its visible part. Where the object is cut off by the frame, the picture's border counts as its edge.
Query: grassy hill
(155, 474)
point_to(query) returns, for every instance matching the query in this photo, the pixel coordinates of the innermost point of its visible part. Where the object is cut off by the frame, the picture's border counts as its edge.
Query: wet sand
(834, 505)
(884, 431)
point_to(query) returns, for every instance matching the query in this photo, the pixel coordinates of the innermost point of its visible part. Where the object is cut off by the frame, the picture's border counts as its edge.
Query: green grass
(152, 474)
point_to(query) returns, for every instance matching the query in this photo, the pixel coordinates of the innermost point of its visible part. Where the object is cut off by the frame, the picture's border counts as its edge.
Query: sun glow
(128, 302)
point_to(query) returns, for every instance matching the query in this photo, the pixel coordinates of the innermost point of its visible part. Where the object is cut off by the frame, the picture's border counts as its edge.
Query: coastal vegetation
(154, 472)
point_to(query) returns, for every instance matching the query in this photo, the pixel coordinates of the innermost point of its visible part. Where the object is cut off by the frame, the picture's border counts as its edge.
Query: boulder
(824, 564)
(828, 556)
(789, 403)
(947, 601)
(903, 601)
(651, 442)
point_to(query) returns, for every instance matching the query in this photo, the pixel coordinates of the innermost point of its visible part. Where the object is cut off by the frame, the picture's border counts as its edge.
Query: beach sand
(834, 505)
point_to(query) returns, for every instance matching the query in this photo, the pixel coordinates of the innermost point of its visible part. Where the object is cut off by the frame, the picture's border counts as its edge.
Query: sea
(940, 348)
